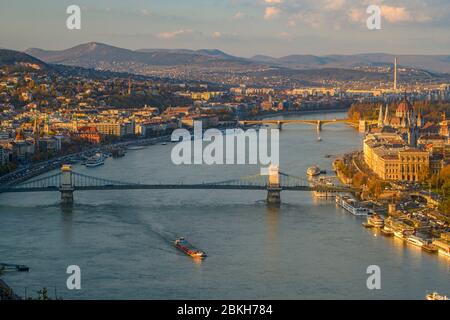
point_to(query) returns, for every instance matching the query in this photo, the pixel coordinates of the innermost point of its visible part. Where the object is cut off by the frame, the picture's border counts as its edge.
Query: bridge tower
(66, 188)
(319, 125)
(280, 125)
(273, 187)
(362, 126)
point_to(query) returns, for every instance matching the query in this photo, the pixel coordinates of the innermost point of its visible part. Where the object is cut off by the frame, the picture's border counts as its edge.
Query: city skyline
(239, 27)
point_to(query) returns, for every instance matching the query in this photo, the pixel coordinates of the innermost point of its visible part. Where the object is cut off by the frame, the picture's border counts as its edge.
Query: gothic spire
(386, 116)
(380, 117)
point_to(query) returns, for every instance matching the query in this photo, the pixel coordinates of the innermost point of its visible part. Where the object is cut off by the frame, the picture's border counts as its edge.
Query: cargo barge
(189, 249)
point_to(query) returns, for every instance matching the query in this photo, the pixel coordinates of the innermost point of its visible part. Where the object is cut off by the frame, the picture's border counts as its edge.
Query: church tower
(413, 135)
(405, 112)
(380, 118)
(420, 121)
(386, 116)
(444, 131)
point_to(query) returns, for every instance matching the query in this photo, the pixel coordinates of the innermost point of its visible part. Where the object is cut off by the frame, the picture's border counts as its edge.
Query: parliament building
(396, 150)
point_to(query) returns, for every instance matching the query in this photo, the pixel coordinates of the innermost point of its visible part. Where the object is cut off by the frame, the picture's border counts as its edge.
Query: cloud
(391, 14)
(334, 5)
(396, 14)
(284, 35)
(356, 15)
(422, 17)
(274, 1)
(239, 15)
(173, 34)
(271, 13)
(312, 19)
(216, 34)
(146, 12)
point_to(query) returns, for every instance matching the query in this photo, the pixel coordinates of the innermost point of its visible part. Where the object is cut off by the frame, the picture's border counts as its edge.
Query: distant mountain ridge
(434, 63)
(16, 58)
(203, 52)
(91, 55)
(98, 55)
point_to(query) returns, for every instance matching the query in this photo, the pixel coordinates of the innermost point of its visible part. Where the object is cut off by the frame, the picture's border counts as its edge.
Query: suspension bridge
(67, 182)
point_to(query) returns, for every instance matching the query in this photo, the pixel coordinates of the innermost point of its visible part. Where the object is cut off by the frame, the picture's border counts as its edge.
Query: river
(121, 240)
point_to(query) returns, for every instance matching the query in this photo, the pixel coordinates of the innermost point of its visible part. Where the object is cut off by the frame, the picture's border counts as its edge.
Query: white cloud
(271, 13)
(274, 1)
(312, 19)
(216, 34)
(173, 34)
(334, 5)
(396, 14)
(356, 15)
(390, 14)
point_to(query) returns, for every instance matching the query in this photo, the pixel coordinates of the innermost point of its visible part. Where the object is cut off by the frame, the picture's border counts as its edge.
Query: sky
(239, 27)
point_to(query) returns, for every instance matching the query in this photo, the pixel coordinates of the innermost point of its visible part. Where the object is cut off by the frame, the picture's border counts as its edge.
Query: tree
(42, 295)
(374, 186)
(359, 180)
(441, 181)
(445, 206)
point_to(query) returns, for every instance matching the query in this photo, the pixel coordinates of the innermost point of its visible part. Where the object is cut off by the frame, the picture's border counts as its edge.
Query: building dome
(404, 108)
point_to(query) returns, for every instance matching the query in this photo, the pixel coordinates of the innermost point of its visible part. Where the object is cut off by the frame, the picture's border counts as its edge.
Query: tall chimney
(395, 75)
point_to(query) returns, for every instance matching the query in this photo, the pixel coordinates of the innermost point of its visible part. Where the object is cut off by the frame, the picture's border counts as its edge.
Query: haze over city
(239, 27)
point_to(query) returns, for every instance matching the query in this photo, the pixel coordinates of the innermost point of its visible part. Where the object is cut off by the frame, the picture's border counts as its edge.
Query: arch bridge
(319, 123)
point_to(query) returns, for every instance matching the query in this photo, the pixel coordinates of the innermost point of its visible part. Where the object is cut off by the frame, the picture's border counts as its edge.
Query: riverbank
(39, 168)
(6, 293)
(338, 168)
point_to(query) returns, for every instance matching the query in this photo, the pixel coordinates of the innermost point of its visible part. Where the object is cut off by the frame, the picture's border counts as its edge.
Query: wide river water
(121, 240)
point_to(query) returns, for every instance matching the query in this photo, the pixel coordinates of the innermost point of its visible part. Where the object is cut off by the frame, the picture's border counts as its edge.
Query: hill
(434, 63)
(11, 57)
(98, 55)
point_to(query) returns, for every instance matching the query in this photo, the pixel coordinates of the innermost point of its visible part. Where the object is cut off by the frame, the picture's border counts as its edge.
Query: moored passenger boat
(443, 247)
(376, 221)
(313, 171)
(430, 248)
(435, 296)
(352, 206)
(417, 241)
(95, 161)
(387, 232)
(399, 234)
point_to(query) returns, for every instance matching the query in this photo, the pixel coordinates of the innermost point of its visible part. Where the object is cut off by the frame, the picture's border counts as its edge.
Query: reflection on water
(272, 222)
(198, 261)
(67, 220)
